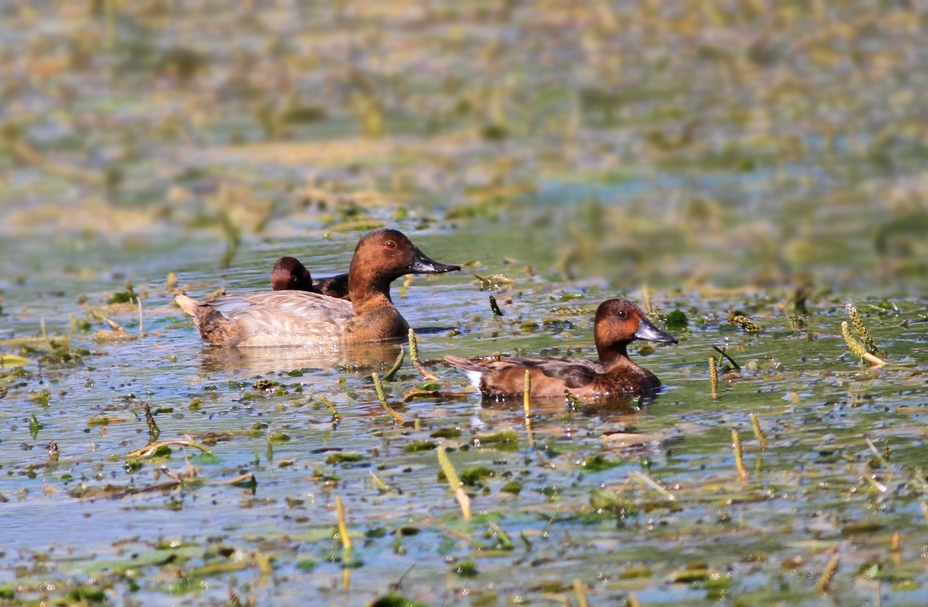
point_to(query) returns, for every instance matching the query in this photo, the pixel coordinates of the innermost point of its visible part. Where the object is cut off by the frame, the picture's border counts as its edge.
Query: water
(814, 401)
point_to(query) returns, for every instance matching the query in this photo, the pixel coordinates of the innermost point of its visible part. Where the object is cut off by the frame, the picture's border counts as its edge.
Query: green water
(814, 401)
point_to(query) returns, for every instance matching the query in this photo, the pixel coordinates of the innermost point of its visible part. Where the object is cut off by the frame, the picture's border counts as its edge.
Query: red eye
(390, 244)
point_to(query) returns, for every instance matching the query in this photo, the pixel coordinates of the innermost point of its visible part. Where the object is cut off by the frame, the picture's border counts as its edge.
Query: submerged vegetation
(743, 170)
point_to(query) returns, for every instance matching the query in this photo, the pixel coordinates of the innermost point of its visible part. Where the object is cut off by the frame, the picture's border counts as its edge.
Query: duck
(291, 275)
(288, 318)
(615, 375)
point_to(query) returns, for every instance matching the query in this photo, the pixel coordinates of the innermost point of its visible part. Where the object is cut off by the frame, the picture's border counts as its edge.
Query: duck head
(384, 255)
(290, 274)
(618, 323)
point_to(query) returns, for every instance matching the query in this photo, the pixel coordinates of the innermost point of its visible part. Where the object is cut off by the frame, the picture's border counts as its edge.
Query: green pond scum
(751, 173)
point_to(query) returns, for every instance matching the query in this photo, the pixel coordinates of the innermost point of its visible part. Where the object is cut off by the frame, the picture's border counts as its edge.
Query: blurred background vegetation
(689, 143)
(739, 158)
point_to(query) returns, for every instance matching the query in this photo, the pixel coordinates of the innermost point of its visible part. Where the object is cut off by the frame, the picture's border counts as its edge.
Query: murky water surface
(261, 412)
(717, 162)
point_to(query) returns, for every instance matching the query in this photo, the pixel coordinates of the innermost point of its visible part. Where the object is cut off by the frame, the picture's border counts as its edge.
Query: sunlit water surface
(804, 496)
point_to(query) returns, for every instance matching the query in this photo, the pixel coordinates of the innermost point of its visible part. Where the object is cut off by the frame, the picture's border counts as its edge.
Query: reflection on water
(260, 361)
(605, 409)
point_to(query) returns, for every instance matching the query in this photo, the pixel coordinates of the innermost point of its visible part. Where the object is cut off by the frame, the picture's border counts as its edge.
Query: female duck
(280, 318)
(618, 323)
(291, 275)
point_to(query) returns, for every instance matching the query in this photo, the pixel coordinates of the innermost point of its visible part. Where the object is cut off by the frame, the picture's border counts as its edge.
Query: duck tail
(212, 325)
(187, 304)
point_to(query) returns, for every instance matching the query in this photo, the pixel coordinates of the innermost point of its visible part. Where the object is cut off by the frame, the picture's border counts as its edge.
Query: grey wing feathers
(228, 305)
(299, 304)
(281, 317)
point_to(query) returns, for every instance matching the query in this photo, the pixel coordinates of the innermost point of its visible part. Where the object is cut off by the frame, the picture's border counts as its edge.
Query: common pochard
(271, 318)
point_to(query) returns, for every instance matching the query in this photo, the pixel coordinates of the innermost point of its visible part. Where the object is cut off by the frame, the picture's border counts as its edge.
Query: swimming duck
(291, 275)
(618, 323)
(280, 318)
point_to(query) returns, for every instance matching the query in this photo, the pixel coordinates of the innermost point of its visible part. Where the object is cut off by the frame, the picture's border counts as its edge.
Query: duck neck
(611, 355)
(368, 290)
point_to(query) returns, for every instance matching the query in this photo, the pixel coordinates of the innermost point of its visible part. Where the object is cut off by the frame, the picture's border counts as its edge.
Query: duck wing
(283, 317)
(574, 372)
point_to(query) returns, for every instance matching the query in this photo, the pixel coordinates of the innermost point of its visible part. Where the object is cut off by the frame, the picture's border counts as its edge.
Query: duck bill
(423, 264)
(648, 332)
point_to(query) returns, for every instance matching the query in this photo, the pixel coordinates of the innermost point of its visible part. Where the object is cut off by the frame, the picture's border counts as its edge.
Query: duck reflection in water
(351, 358)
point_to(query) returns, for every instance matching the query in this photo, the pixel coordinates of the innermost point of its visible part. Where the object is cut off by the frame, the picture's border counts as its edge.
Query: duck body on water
(618, 323)
(292, 317)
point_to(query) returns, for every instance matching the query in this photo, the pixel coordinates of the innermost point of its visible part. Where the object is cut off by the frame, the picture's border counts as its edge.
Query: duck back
(270, 318)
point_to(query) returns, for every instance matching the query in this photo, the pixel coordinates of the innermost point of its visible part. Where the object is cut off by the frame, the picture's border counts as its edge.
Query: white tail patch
(474, 377)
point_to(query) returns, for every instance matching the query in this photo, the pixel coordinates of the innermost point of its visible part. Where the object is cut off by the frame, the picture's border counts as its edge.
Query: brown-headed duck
(291, 275)
(618, 323)
(281, 318)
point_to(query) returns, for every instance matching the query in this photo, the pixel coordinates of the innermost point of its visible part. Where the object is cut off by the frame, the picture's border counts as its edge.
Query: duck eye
(390, 244)
(622, 314)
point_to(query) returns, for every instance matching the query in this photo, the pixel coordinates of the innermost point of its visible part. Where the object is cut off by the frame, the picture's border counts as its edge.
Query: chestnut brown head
(290, 275)
(619, 322)
(384, 255)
